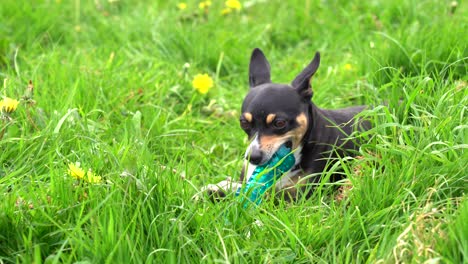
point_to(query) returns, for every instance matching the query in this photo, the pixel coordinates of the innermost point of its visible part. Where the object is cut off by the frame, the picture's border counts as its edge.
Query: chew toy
(265, 175)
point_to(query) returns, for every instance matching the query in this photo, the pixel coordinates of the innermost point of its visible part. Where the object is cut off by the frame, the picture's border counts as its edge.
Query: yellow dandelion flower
(348, 67)
(204, 4)
(182, 6)
(8, 105)
(202, 83)
(233, 4)
(76, 171)
(226, 11)
(93, 178)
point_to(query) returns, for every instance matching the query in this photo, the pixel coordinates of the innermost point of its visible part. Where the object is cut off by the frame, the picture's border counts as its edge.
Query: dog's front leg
(287, 186)
(295, 185)
(217, 191)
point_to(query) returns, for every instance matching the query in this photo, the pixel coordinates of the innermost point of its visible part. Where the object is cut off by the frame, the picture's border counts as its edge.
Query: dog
(274, 115)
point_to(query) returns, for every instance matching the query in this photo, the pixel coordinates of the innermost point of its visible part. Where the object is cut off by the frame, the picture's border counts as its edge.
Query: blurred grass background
(111, 92)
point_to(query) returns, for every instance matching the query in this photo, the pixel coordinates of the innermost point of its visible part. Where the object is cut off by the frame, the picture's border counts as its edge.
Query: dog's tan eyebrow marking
(248, 117)
(270, 118)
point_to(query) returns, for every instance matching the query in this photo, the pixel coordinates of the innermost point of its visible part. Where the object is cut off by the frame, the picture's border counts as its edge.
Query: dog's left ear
(302, 81)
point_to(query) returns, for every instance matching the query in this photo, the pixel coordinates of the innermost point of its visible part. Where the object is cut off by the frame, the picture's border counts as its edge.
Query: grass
(112, 93)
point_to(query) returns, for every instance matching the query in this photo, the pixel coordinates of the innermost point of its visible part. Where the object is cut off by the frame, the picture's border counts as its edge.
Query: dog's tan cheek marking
(248, 117)
(298, 133)
(267, 142)
(270, 118)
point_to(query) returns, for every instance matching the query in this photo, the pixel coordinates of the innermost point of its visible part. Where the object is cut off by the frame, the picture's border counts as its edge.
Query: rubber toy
(265, 175)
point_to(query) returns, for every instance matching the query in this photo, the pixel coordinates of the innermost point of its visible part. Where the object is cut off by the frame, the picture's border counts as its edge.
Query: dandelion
(453, 7)
(348, 67)
(204, 4)
(29, 93)
(233, 4)
(226, 11)
(182, 6)
(8, 105)
(202, 83)
(93, 178)
(185, 69)
(75, 170)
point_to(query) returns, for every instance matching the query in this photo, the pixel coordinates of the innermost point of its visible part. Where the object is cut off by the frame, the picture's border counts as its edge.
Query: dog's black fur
(277, 114)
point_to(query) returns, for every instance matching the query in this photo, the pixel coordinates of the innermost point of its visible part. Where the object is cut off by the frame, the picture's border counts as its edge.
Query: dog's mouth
(257, 156)
(288, 144)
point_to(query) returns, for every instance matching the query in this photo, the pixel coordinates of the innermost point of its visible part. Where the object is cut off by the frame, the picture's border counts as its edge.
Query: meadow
(109, 141)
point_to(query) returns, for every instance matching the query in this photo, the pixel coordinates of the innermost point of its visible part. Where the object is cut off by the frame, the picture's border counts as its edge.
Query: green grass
(111, 93)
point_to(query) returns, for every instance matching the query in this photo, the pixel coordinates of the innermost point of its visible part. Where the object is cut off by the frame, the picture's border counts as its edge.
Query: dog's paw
(216, 192)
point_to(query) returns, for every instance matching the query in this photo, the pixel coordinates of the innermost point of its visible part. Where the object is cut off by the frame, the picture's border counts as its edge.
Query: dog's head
(275, 114)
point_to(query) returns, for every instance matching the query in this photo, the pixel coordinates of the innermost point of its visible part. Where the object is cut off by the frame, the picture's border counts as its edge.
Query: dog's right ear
(259, 69)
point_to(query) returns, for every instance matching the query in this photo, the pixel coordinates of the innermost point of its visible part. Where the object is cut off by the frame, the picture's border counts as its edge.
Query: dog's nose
(256, 157)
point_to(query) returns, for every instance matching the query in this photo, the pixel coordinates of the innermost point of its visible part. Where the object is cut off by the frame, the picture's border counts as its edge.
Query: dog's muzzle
(256, 156)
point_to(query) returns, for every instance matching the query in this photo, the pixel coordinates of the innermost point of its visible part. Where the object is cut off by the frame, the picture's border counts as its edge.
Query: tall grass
(111, 92)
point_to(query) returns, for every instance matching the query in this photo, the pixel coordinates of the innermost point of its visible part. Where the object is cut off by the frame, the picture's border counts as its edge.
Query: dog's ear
(259, 69)
(302, 81)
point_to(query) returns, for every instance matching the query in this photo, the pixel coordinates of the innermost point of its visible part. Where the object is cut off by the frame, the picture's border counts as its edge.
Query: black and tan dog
(279, 114)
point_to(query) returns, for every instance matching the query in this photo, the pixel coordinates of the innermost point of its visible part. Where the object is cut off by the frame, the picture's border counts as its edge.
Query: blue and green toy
(265, 175)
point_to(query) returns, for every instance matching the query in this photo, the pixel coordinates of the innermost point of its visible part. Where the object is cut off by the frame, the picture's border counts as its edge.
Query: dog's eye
(245, 124)
(279, 123)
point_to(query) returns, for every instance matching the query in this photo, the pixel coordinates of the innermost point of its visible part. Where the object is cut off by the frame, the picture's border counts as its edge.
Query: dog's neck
(319, 138)
(317, 126)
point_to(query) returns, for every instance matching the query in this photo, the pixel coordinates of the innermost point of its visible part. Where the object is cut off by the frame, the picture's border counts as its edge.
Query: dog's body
(276, 114)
